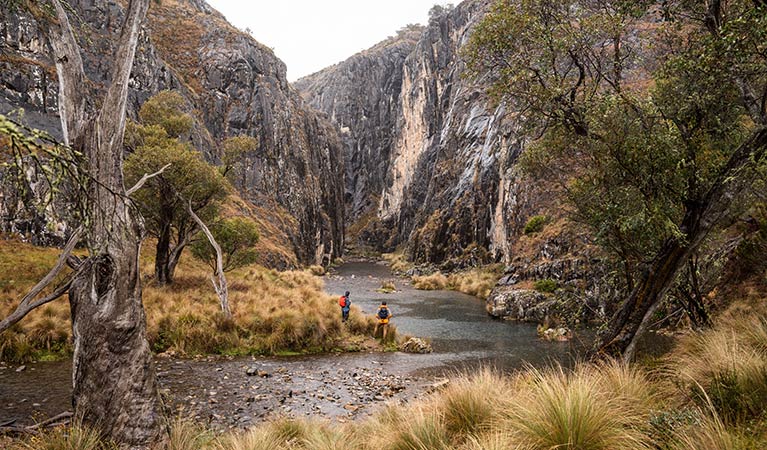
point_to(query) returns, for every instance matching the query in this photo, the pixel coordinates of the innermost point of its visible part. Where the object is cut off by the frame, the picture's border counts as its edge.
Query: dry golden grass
(397, 262)
(477, 282)
(594, 406)
(273, 311)
(433, 282)
(726, 367)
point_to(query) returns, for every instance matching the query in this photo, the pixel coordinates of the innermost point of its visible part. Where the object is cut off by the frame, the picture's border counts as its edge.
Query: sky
(309, 35)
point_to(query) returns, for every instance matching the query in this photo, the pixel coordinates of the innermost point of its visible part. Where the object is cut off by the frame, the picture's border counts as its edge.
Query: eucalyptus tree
(188, 177)
(114, 382)
(653, 115)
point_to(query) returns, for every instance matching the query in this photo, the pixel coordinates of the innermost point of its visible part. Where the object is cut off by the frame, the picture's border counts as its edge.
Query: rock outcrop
(361, 96)
(233, 86)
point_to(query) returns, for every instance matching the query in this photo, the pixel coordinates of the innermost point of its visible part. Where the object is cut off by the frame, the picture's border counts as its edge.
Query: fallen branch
(55, 421)
(144, 179)
(28, 303)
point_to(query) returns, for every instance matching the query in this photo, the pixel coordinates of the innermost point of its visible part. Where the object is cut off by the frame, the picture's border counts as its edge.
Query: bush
(581, 410)
(387, 287)
(535, 224)
(546, 285)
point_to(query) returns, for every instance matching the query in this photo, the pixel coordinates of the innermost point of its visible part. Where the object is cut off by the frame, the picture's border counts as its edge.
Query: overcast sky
(309, 35)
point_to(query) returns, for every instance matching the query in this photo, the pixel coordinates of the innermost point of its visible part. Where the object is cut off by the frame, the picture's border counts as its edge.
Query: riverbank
(273, 312)
(709, 394)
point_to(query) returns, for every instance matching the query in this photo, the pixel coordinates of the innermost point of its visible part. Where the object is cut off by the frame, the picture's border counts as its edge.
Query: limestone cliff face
(361, 96)
(445, 184)
(233, 86)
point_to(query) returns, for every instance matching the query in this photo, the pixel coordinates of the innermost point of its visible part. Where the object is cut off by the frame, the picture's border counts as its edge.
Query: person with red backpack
(345, 303)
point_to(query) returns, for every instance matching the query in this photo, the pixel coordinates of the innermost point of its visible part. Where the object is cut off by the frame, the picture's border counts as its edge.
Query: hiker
(383, 315)
(345, 305)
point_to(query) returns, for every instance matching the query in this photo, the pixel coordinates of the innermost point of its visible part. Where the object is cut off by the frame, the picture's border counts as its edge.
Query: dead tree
(114, 383)
(219, 286)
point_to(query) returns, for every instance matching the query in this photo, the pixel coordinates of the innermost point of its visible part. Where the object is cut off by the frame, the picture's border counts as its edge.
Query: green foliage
(236, 236)
(165, 109)
(546, 285)
(187, 177)
(61, 173)
(535, 224)
(631, 160)
(235, 149)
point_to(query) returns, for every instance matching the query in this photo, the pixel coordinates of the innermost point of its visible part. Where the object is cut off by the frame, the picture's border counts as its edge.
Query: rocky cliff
(434, 171)
(361, 96)
(233, 86)
(437, 161)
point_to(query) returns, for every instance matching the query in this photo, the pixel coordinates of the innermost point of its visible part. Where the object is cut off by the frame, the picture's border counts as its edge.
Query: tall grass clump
(477, 282)
(77, 437)
(187, 435)
(397, 262)
(726, 367)
(433, 282)
(578, 410)
(471, 405)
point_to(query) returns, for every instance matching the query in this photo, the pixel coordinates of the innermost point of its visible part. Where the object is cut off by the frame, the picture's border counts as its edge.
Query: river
(336, 386)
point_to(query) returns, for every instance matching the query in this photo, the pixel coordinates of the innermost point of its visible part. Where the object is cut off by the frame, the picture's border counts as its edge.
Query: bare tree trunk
(115, 388)
(221, 287)
(162, 256)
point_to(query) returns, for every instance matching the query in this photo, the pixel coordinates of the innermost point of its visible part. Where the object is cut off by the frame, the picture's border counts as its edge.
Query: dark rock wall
(438, 161)
(361, 97)
(233, 86)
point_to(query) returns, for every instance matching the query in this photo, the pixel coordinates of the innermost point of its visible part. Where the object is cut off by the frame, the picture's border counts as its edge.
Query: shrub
(535, 224)
(471, 405)
(387, 287)
(477, 282)
(546, 285)
(317, 270)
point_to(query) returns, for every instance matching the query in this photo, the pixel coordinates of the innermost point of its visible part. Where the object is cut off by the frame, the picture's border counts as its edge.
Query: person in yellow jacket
(383, 315)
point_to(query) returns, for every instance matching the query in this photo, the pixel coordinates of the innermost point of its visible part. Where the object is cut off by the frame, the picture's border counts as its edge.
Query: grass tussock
(76, 437)
(594, 406)
(397, 262)
(726, 368)
(433, 282)
(273, 311)
(477, 282)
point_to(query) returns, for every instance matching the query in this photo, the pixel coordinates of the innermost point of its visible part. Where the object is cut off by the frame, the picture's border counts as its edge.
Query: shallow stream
(337, 386)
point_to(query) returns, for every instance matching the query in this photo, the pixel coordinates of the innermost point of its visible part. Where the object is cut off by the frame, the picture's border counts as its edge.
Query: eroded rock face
(436, 164)
(361, 97)
(233, 86)
(436, 168)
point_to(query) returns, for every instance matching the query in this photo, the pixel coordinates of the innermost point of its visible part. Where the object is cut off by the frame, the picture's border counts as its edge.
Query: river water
(337, 386)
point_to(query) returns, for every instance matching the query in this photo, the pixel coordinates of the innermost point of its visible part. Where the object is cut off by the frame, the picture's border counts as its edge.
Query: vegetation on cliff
(654, 150)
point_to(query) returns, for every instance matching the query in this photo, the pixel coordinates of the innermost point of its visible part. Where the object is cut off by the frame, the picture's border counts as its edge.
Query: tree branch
(27, 304)
(221, 287)
(69, 69)
(112, 117)
(144, 179)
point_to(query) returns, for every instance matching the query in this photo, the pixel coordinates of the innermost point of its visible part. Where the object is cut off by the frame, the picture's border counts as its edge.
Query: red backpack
(342, 302)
